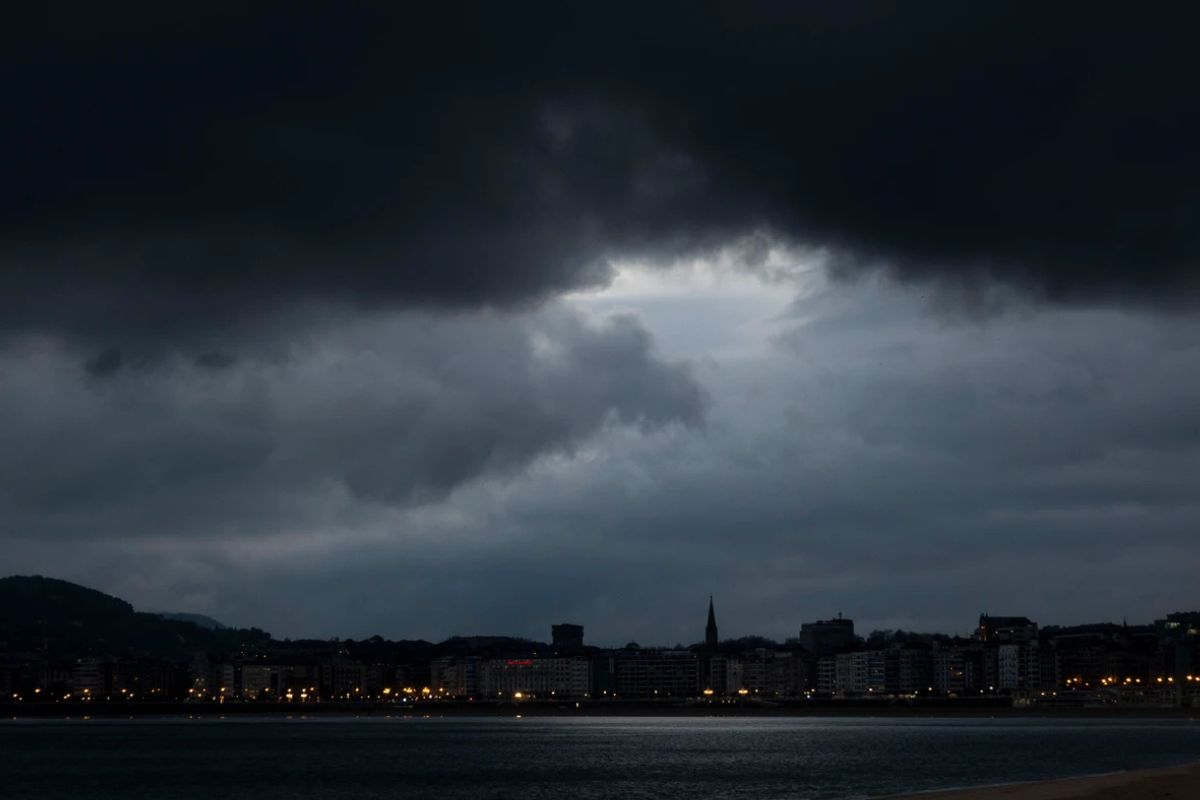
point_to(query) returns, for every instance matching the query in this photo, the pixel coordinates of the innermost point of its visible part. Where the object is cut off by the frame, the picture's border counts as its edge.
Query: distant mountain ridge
(29, 598)
(46, 619)
(54, 618)
(202, 620)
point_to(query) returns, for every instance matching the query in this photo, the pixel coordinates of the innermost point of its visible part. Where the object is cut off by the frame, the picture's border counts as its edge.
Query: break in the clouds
(172, 167)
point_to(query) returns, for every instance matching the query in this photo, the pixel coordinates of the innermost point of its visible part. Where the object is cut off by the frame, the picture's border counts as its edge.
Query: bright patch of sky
(720, 307)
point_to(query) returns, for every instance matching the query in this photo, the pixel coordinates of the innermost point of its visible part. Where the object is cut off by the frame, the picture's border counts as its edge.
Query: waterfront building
(827, 675)
(259, 681)
(86, 676)
(763, 671)
(1179, 638)
(567, 637)
(657, 673)
(949, 671)
(1008, 667)
(340, 677)
(828, 637)
(912, 671)
(455, 676)
(543, 678)
(1006, 629)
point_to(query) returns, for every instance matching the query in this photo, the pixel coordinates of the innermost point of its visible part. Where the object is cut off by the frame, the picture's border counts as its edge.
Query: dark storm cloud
(173, 166)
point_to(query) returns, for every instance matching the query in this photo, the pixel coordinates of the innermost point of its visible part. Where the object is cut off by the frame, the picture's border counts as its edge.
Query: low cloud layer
(391, 411)
(864, 457)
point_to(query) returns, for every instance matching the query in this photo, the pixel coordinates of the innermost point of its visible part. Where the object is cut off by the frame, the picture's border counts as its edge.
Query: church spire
(710, 630)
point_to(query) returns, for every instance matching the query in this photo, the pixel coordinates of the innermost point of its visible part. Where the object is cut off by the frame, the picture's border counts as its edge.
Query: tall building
(710, 630)
(828, 636)
(567, 636)
(1006, 629)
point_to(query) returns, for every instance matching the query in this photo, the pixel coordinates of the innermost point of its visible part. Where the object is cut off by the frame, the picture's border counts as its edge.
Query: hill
(200, 619)
(56, 619)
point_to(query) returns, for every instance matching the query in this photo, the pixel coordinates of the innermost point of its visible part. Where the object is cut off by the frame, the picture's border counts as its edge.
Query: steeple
(710, 630)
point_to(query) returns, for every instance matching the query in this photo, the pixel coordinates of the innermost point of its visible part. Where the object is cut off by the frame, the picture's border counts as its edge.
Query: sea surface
(527, 759)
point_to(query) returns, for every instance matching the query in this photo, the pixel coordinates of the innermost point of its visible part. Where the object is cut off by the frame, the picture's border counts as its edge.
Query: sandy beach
(1177, 783)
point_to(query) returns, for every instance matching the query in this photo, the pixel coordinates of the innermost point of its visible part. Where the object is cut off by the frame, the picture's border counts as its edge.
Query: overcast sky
(455, 319)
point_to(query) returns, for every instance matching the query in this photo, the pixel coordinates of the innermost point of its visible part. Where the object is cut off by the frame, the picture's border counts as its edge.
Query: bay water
(533, 758)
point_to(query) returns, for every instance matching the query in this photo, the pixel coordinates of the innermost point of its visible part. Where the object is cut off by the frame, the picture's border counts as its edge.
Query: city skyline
(709, 634)
(63, 643)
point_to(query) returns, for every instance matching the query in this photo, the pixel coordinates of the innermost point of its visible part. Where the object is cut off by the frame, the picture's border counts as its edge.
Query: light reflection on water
(532, 758)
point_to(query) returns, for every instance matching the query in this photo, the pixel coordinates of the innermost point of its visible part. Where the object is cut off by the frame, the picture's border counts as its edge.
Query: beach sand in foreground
(1176, 783)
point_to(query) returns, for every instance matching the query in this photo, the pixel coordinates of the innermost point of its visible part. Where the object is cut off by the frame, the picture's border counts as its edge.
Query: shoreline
(850, 709)
(1177, 782)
